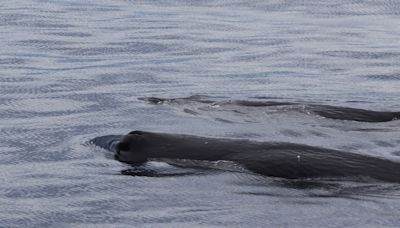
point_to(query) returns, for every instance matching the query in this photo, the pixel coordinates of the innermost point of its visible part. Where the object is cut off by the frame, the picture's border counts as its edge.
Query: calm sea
(73, 70)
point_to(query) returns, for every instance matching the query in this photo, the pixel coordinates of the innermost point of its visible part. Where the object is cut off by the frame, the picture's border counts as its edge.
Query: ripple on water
(70, 34)
(383, 77)
(44, 105)
(12, 61)
(72, 70)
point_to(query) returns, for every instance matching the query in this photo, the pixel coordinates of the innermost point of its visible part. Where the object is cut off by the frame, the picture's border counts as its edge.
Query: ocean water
(71, 71)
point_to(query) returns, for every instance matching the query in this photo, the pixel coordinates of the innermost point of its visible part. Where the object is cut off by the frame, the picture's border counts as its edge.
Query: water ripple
(74, 70)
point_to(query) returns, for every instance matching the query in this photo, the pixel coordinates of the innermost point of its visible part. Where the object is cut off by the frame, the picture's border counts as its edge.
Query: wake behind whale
(285, 160)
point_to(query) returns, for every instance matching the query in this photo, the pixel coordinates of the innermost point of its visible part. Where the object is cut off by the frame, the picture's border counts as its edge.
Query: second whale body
(239, 106)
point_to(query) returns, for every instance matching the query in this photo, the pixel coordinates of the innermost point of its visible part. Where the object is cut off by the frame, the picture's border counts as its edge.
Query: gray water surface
(73, 70)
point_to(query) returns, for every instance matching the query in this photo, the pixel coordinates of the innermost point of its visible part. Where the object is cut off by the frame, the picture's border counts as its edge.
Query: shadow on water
(143, 171)
(353, 188)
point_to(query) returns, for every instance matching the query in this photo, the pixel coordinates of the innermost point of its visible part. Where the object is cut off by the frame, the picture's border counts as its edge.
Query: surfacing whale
(326, 111)
(285, 160)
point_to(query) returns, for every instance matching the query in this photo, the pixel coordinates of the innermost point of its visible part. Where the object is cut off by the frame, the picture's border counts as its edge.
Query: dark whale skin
(326, 111)
(286, 160)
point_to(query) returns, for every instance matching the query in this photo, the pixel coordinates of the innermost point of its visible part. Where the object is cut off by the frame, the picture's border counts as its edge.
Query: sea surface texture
(72, 71)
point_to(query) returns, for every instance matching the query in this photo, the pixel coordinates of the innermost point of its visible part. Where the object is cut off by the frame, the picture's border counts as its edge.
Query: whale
(274, 159)
(239, 106)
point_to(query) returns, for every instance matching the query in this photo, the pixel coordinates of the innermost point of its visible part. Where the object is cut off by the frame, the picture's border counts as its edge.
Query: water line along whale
(285, 160)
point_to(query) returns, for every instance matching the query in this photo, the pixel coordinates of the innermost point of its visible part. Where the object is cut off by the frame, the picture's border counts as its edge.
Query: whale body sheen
(286, 160)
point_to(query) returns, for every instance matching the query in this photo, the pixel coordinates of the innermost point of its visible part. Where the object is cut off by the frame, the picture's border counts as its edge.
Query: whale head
(131, 148)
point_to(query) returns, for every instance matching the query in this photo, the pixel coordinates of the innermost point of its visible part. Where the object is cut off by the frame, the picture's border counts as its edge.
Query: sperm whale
(276, 159)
